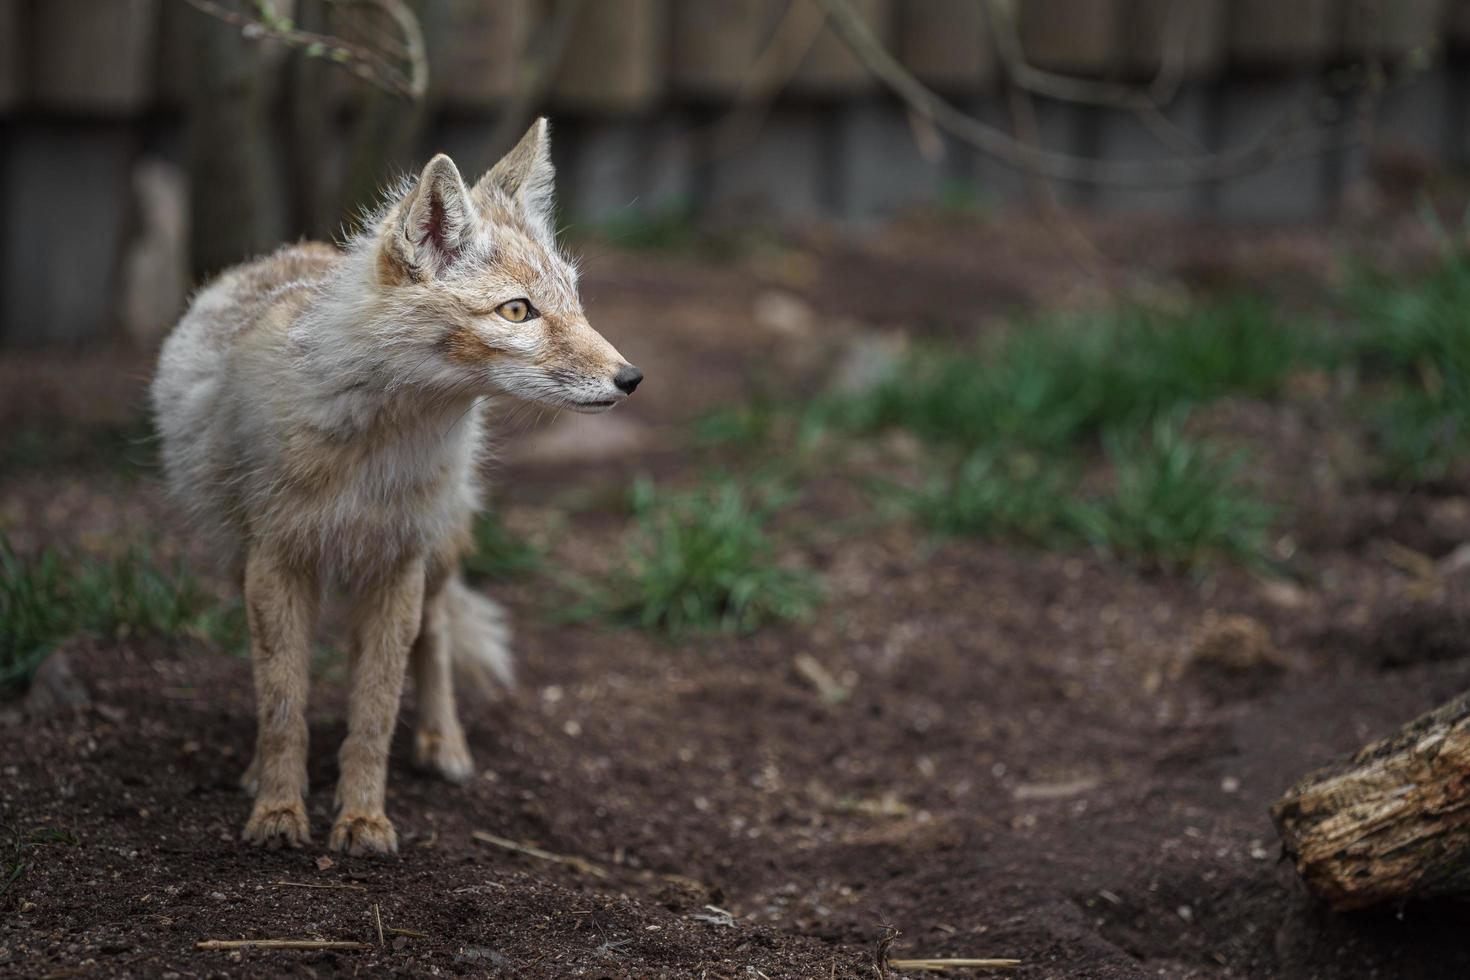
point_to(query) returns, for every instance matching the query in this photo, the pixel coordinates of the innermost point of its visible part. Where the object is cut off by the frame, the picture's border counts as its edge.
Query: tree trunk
(1390, 823)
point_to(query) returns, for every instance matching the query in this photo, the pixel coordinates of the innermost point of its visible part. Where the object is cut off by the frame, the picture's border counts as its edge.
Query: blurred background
(150, 142)
(1055, 441)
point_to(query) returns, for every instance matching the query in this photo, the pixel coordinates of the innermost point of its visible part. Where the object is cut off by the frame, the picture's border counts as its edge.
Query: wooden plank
(946, 44)
(12, 54)
(1401, 27)
(1279, 34)
(475, 54)
(173, 75)
(614, 57)
(716, 42)
(94, 57)
(1145, 27)
(1076, 37)
(829, 69)
(1457, 24)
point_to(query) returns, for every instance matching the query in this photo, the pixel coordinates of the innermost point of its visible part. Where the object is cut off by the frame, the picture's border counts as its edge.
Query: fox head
(478, 289)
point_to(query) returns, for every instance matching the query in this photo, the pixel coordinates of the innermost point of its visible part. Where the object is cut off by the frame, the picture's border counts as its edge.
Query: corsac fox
(320, 412)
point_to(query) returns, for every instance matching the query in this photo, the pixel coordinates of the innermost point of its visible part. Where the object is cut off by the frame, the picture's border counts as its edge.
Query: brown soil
(1041, 756)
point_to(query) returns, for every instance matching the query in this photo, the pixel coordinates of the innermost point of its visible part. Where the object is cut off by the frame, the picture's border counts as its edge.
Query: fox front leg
(386, 618)
(281, 603)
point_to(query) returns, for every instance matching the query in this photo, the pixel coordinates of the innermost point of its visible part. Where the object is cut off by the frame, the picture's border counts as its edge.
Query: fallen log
(1390, 823)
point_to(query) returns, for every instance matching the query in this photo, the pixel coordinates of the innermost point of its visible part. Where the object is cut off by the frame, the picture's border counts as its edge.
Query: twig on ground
(281, 944)
(378, 918)
(579, 864)
(308, 884)
(411, 933)
(818, 676)
(941, 965)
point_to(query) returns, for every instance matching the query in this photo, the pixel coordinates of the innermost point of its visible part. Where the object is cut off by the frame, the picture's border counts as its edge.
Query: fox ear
(434, 220)
(525, 177)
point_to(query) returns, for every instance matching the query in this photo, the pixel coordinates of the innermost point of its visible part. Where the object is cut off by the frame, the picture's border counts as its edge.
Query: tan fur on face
(466, 346)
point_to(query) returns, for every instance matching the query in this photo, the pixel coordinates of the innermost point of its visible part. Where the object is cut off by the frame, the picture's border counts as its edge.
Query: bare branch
(1292, 137)
(539, 64)
(363, 61)
(1146, 102)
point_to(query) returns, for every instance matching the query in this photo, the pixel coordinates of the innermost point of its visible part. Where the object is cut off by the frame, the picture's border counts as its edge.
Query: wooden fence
(94, 98)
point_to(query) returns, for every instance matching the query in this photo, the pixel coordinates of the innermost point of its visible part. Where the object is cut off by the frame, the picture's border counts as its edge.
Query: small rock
(55, 688)
(482, 956)
(1285, 595)
(867, 359)
(1233, 658)
(112, 713)
(783, 313)
(1456, 562)
(1234, 644)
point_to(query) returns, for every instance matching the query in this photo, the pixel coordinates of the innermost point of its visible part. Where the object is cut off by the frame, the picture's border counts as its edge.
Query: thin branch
(540, 62)
(770, 72)
(363, 61)
(1290, 139)
(1145, 102)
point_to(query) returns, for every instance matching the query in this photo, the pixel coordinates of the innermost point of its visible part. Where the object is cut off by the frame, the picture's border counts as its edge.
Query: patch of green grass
(994, 494)
(1414, 334)
(1418, 436)
(125, 446)
(21, 848)
(1051, 384)
(49, 597)
(499, 553)
(668, 229)
(755, 422)
(1405, 323)
(962, 200)
(701, 560)
(1177, 504)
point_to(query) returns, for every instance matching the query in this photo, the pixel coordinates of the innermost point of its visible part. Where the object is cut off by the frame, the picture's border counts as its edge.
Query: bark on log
(1390, 823)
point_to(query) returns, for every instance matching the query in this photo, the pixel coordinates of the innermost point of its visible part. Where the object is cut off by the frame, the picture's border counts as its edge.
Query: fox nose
(627, 378)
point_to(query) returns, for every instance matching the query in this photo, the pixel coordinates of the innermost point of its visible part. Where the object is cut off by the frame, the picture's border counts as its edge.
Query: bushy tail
(479, 635)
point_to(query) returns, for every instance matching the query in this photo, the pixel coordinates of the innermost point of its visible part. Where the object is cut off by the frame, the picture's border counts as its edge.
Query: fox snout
(624, 381)
(627, 379)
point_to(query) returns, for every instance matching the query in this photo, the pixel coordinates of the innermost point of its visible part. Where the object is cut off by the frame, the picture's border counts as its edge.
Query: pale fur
(321, 417)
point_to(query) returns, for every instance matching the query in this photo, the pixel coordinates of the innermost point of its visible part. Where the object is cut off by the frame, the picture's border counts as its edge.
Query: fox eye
(517, 310)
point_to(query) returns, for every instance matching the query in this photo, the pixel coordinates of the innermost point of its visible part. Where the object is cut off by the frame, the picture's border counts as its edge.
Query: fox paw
(446, 755)
(363, 834)
(273, 824)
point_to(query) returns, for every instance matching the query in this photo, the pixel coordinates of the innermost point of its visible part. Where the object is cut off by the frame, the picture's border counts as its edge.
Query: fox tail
(479, 635)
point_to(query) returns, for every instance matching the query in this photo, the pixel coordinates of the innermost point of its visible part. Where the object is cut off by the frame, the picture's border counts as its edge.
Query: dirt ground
(1041, 756)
